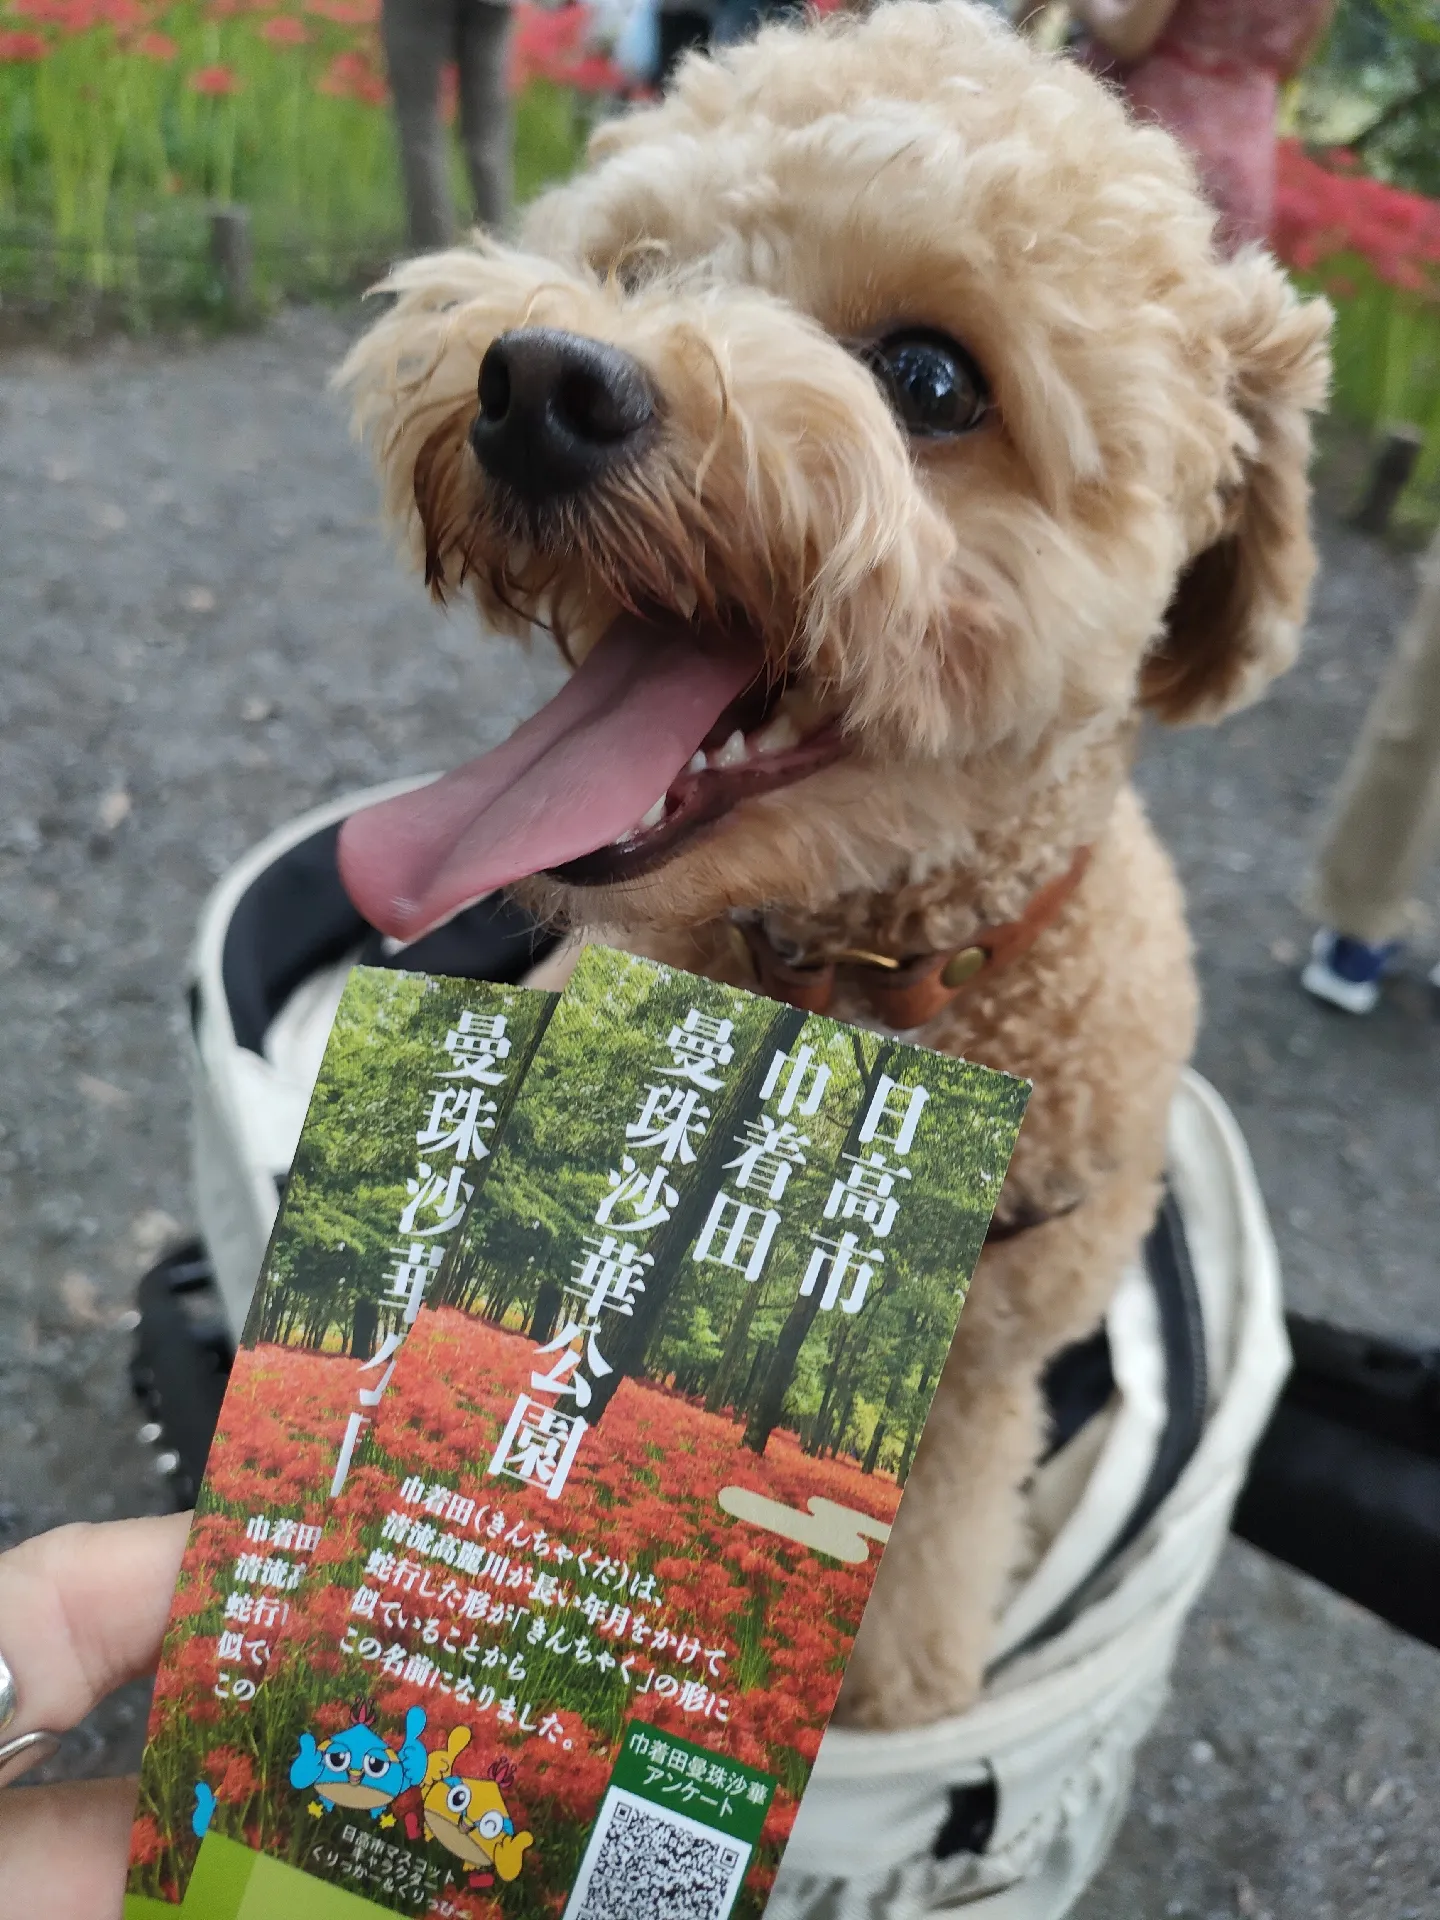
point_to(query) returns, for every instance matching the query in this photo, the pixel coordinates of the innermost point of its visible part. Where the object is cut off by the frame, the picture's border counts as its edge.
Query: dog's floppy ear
(1234, 620)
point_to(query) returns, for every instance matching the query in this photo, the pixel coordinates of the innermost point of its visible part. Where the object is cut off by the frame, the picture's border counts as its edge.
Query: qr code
(644, 1863)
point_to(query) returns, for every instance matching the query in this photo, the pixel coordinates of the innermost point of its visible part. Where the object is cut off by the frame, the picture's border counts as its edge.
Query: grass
(1374, 249)
(1387, 367)
(117, 140)
(122, 123)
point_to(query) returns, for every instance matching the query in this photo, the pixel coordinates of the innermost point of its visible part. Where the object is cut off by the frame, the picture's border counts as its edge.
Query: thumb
(82, 1610)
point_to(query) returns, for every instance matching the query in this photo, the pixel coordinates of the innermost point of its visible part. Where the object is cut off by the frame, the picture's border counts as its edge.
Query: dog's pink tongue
(573, 778)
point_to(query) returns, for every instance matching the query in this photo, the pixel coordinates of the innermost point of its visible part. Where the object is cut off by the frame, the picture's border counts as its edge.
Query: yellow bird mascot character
(467, 1814)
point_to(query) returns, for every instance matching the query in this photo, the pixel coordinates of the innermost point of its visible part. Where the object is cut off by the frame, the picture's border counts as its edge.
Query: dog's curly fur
(990, 616)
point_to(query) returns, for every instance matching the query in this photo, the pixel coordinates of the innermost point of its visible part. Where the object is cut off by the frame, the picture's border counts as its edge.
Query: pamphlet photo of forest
(735, 1327)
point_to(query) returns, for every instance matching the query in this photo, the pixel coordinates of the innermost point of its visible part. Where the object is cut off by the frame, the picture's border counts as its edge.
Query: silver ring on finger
(26, 1750)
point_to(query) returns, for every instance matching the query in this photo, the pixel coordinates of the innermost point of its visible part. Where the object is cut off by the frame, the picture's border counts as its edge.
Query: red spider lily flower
(237, 1781)
(145, 1842)
(157, 46)
(553, 45)
(350, 76)
(338, 79)
(70, 16)
(644, 1493)
(346, 13)
(285, 31)
(20, 46)
(1323, 213)
(215, 81)
(80, 16)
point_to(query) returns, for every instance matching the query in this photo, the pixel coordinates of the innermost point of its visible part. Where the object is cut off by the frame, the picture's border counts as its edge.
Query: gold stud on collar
(963, 966)
(740, 947)
(886, 962)
(905, 994)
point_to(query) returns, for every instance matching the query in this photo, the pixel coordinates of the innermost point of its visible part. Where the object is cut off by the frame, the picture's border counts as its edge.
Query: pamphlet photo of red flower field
(605, 1479)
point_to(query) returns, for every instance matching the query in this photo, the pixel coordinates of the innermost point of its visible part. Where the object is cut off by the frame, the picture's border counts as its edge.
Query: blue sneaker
(1346, 972)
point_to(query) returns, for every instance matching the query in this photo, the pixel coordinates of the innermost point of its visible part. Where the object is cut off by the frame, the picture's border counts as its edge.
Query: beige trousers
(1385, 827)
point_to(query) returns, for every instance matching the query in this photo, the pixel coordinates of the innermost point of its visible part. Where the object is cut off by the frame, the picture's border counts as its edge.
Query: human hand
(82, 1610)
(1127, 29)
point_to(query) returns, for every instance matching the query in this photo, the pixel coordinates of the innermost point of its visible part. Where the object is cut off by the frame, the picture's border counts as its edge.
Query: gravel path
(204, 634)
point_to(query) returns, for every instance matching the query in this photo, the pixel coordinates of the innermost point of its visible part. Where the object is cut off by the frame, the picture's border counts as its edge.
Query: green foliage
(347, 1188)
(1386, 346)
(565, 1132)
(1374, 86)
(551, 127)
(709, 1330)
(110, 158)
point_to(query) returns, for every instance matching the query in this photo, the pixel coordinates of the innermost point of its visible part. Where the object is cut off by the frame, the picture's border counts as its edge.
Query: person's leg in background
(680, 29)
(736, 20)
(486, 127)
(419, 37)
(1386, 823)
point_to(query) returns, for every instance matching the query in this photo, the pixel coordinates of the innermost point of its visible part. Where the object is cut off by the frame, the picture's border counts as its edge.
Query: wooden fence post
(1389, 477)
(232, 254)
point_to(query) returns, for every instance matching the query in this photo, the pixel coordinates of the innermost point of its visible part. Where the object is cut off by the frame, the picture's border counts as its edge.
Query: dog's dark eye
(934, 386)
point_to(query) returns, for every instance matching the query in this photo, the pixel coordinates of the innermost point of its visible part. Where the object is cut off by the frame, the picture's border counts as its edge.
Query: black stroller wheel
(181, 1363)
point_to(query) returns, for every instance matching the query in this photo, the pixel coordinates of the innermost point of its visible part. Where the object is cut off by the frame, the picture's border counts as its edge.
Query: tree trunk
(671, 1241)
(765, 1416)
(736, 1342)
(461, 1275)
(820, 1428)
(547, 1312)
(842, 1431)
(363, 1323)
(912, 1436)
(756, 1374)
(507, 1287)
(899, 1367)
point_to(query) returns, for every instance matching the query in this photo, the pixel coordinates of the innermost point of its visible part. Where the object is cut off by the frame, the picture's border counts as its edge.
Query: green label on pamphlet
(723, 1794)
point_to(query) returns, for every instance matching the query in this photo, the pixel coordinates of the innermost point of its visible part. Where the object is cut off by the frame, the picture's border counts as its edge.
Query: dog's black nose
(557, 410)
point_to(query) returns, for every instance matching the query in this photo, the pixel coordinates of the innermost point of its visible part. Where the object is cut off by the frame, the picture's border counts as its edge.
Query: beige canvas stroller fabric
(1057, 1730)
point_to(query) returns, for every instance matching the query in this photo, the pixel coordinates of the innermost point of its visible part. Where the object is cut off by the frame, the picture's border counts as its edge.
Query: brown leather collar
(908, 993)
(1027, 1217)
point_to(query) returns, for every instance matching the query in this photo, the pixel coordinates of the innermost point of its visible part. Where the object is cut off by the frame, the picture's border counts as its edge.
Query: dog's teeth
(655, 815)
(698, 764)
(802, 705)
(776, 736)
(686, 601)
(733, 751)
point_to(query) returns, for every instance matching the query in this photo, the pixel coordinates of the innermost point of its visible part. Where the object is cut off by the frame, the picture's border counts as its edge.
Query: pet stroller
(1010, 1807)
